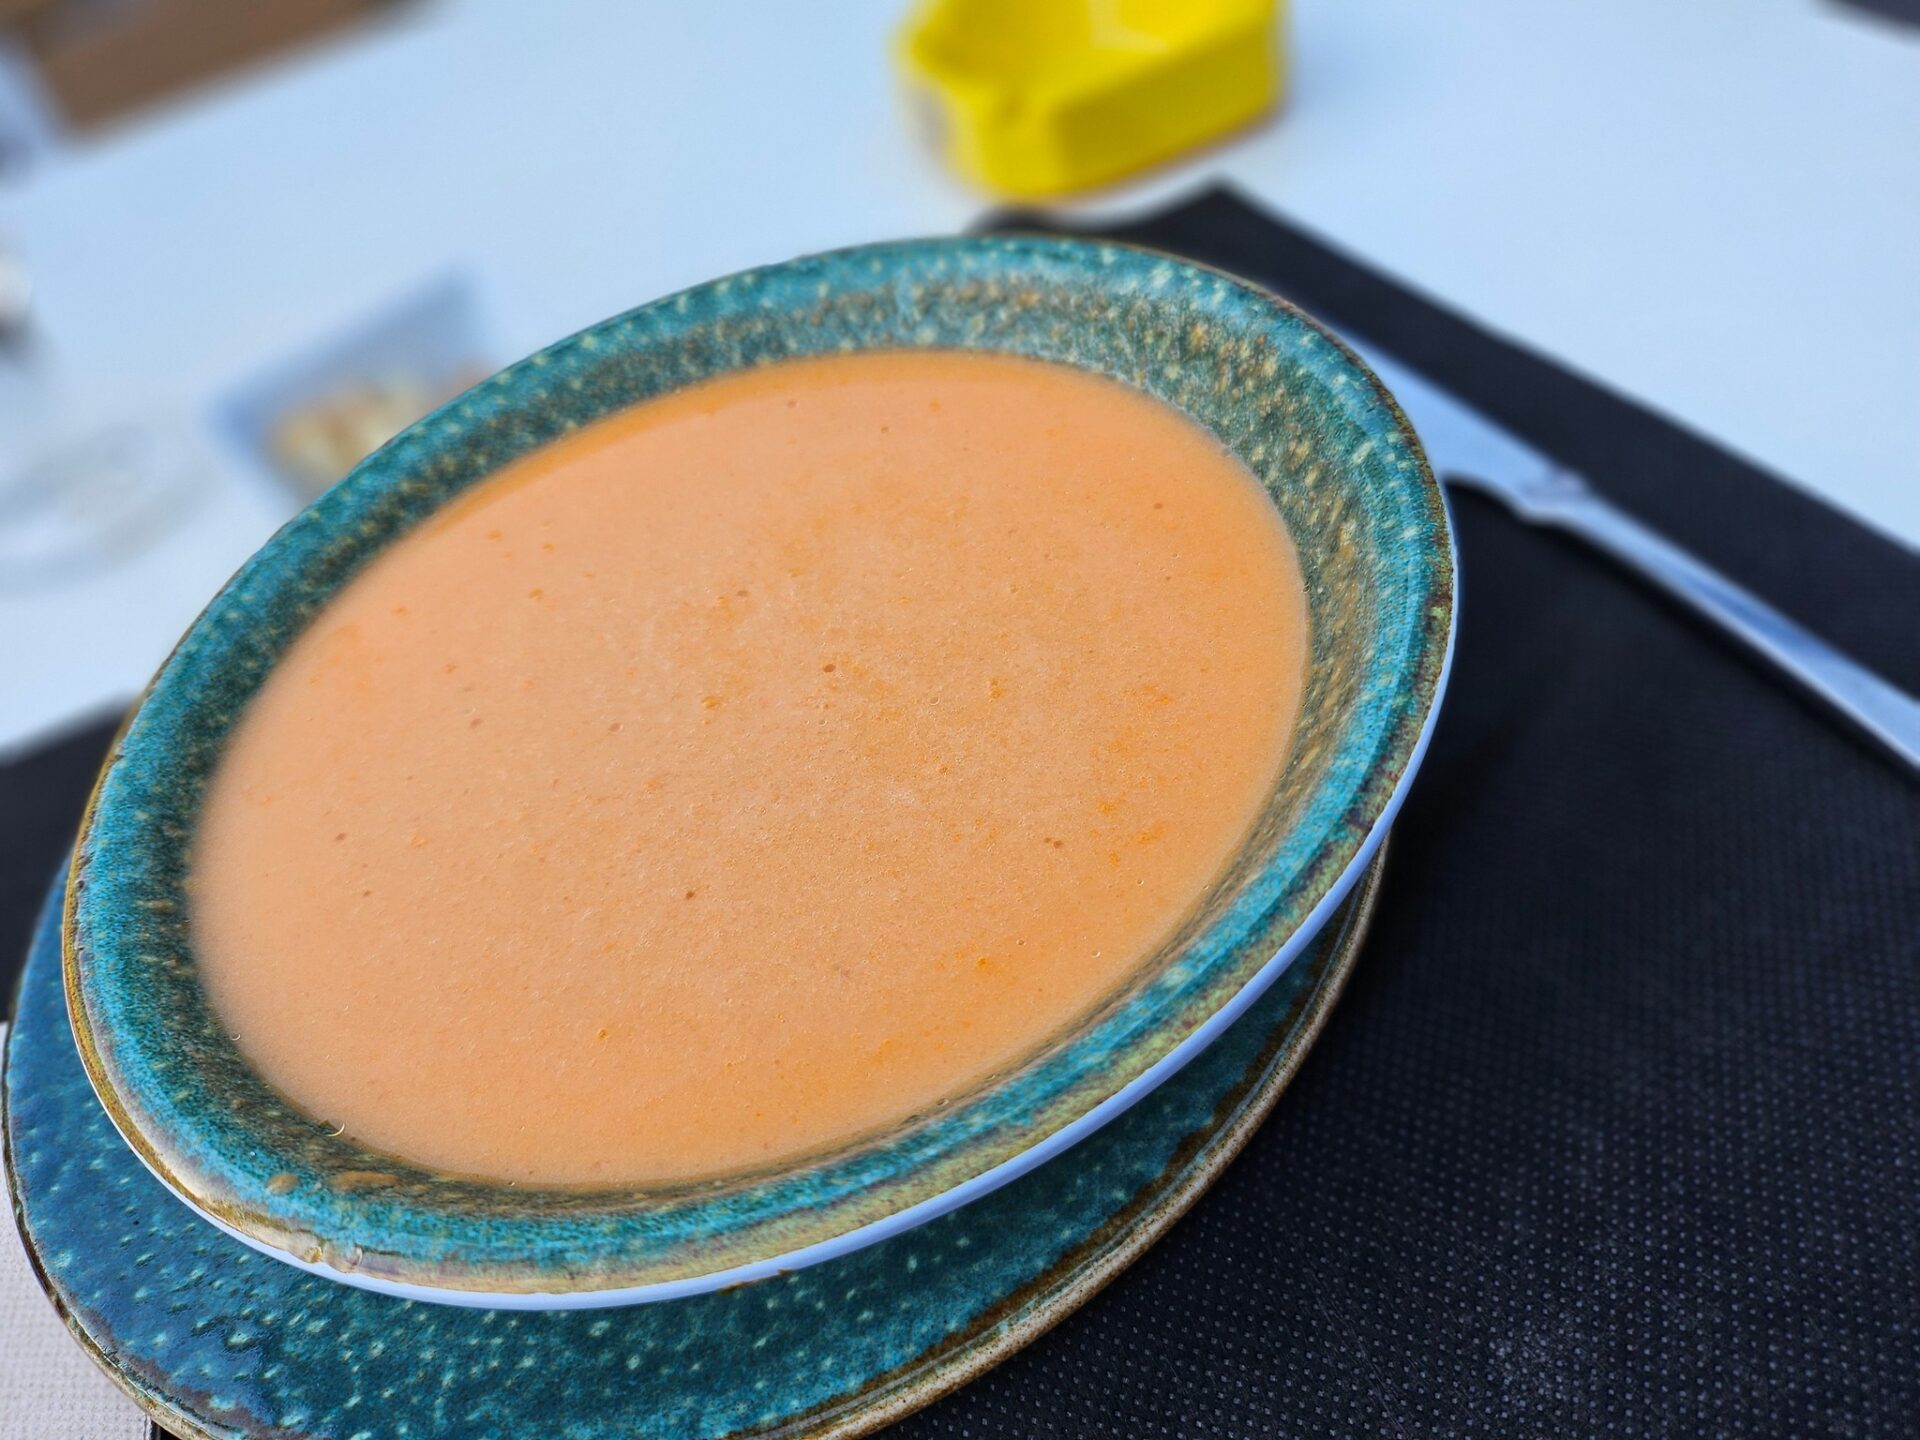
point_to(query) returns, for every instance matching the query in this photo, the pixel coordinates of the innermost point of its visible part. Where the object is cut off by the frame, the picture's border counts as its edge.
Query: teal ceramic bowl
(1317, 430)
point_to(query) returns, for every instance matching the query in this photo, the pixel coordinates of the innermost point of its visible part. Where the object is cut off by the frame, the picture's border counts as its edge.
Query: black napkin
(1617, 1129)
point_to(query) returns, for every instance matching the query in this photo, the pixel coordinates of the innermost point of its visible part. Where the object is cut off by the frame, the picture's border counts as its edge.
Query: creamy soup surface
(750, 770)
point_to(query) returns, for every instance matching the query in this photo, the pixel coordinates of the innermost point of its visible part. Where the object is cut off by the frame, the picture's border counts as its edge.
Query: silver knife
(1469, 450)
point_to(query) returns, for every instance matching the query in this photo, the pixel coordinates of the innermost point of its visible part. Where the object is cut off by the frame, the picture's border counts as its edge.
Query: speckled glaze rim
(1285, 396)
(1025, 1314)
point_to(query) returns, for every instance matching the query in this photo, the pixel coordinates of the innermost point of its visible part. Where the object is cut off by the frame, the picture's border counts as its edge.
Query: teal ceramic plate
(216, 1340)
(1310, 423)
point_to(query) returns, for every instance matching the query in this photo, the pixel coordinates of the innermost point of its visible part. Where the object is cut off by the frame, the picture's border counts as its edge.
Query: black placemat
(1617, 1130)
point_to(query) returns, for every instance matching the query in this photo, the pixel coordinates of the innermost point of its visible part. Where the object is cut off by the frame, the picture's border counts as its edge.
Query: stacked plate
(243, 1268)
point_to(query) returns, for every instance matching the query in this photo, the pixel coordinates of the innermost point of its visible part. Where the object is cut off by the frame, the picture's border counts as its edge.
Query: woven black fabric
(1617, 1129)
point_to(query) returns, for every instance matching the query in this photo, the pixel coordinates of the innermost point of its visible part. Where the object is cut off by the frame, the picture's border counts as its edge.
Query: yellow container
(1039, 97)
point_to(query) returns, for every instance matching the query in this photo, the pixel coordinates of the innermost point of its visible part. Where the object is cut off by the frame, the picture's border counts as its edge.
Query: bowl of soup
(760, 772)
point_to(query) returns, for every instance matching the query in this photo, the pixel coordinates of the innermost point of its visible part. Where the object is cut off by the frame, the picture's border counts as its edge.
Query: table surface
(1713, 207)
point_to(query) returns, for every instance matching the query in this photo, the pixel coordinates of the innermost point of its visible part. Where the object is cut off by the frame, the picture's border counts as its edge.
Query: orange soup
(753, 769)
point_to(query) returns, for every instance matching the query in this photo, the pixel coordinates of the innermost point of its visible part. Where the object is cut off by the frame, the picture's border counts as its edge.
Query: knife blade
(1467, 449)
